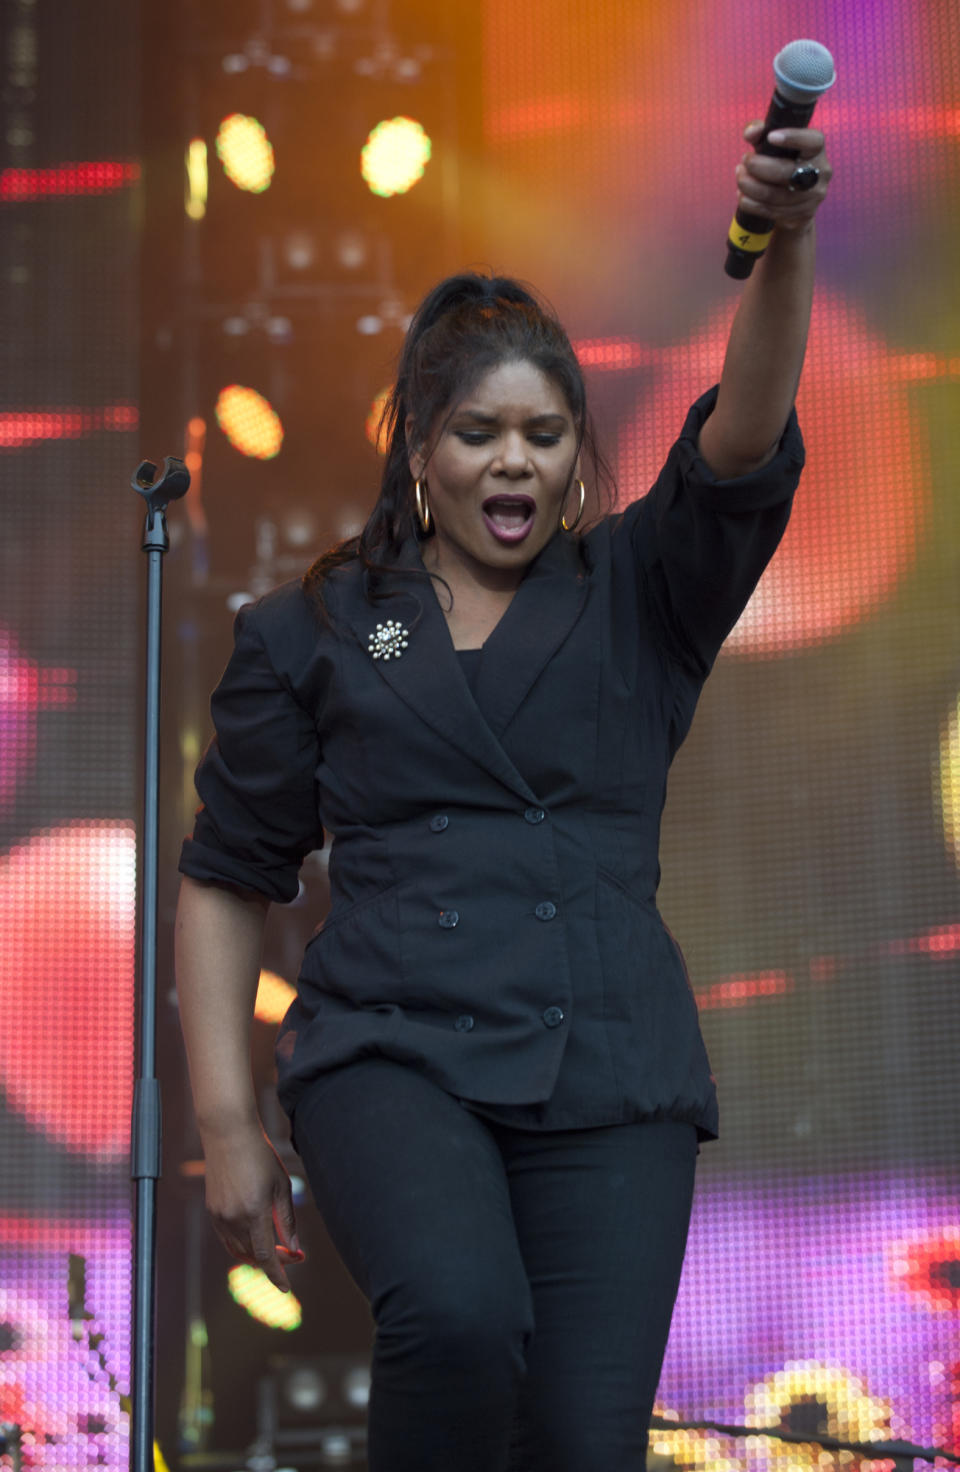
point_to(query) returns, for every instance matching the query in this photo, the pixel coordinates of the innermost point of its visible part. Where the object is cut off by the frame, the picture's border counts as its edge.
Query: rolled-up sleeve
(257, 779)
(701, 544)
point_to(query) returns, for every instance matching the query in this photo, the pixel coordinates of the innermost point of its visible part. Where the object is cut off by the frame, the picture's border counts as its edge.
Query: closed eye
(479, 437)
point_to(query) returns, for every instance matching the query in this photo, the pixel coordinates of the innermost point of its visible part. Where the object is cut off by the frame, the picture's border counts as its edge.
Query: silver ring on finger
(804, 177)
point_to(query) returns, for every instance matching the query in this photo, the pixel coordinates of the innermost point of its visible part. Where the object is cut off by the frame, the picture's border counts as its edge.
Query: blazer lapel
(542, 614)
(427, 674)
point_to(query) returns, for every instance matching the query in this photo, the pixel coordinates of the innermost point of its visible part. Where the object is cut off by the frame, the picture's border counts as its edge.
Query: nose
(513, 460)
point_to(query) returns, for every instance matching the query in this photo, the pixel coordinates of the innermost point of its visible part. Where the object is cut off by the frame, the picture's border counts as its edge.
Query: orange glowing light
(246, 153)
(274, 996)
(249, 421)
(377, 431)
(395, 156)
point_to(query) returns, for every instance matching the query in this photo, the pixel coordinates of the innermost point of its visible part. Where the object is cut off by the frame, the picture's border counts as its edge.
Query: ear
(415, 456)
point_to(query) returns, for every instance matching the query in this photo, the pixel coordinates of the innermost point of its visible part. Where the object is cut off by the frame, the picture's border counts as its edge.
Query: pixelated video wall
(811, 843)
(70, 599)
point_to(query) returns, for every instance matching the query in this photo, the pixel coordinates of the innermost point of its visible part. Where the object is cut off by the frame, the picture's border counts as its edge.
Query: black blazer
(493, 867)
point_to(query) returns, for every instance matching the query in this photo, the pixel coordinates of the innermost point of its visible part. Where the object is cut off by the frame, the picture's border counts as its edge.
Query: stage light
(356, 1387)
(395, 156)
(252, 1290)
(298, 526)
(376, 430)
(274, 996)
(299, 250)
(249, 422)
(246, 153)
(950, 782)
(197, 179)
(304, 1388)
(351, 249)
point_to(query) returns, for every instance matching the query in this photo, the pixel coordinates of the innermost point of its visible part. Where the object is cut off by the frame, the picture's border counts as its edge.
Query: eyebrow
(477, 417)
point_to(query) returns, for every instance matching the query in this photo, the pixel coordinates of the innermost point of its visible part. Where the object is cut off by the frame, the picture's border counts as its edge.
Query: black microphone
(803, 70)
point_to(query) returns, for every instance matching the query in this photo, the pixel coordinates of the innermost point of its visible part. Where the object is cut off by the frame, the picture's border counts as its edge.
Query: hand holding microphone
(785, 180)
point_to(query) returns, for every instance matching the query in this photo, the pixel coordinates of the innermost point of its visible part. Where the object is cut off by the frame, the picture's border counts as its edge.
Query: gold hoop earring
(423, 505)
(576, 520)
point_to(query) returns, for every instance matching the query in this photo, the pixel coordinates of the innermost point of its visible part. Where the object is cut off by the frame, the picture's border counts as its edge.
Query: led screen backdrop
(813, 830)
(810, 847)
(69, 610)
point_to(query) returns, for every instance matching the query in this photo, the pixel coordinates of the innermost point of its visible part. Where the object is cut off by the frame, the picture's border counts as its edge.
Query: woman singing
(493, 1067)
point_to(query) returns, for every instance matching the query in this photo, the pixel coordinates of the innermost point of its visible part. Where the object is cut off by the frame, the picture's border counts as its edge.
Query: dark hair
(466, 326)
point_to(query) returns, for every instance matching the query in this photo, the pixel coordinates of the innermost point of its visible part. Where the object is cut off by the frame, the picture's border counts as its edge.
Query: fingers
(763, 180)
(285, 1221)
(249, 1233)
(265, 1255)
(806, 142)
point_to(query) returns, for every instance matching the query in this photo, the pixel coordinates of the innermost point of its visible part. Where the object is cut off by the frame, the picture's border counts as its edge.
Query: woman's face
(497, 471)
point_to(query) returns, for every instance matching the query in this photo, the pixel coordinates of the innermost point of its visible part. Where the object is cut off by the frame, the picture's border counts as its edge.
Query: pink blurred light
(863, 501)
(25, 689)
(67, 911)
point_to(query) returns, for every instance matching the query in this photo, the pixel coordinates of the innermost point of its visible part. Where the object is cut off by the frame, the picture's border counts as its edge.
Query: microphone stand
(145, 1133)
(901, 1453)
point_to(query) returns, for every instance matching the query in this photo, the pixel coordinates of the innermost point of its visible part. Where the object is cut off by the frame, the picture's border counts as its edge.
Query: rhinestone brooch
(388, 641)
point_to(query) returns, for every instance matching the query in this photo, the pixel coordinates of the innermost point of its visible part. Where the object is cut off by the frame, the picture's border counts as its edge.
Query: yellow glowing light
(249, 422)
(395, 156)
(846, 1410)
(274, 996)
(197, 180)
(376, 431)
(252, 1289)
(245, 152)
(950, 782)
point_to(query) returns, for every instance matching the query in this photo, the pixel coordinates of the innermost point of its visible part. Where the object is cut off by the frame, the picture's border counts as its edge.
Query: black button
(438, 823)
(464, 1023)
(553, 1016)
(534, 815)
(448, 919)
(545, 910)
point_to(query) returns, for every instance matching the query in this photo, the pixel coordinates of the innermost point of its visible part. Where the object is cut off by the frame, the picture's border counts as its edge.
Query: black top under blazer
(493, 868)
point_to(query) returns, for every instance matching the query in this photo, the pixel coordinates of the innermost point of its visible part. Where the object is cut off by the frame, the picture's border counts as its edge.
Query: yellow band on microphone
(743, 240)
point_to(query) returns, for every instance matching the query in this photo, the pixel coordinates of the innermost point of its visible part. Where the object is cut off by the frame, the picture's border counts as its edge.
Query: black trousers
(521, 1282)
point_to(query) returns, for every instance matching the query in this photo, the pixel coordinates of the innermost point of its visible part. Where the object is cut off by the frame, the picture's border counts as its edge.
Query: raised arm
(768, 338)
(219, 938)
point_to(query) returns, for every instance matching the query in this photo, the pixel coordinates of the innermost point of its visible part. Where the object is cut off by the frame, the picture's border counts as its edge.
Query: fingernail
(776, 137)
(295, 1242)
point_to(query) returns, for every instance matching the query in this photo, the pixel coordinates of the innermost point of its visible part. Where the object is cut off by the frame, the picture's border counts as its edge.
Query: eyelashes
(479, 437)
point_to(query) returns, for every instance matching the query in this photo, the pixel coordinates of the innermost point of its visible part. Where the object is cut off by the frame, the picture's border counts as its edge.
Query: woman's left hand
(764, 181)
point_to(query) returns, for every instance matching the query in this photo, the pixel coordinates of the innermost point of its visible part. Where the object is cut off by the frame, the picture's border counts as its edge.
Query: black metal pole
(146, 1124)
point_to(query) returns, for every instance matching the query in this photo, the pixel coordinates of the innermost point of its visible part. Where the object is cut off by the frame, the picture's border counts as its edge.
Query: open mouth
(509, 518)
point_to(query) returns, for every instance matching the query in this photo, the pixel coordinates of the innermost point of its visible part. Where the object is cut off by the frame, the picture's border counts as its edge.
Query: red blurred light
(738, 991)
(100, 177)
(27, 427)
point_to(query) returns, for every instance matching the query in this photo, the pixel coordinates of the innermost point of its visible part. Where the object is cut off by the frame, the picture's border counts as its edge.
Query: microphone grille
(803, 70)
